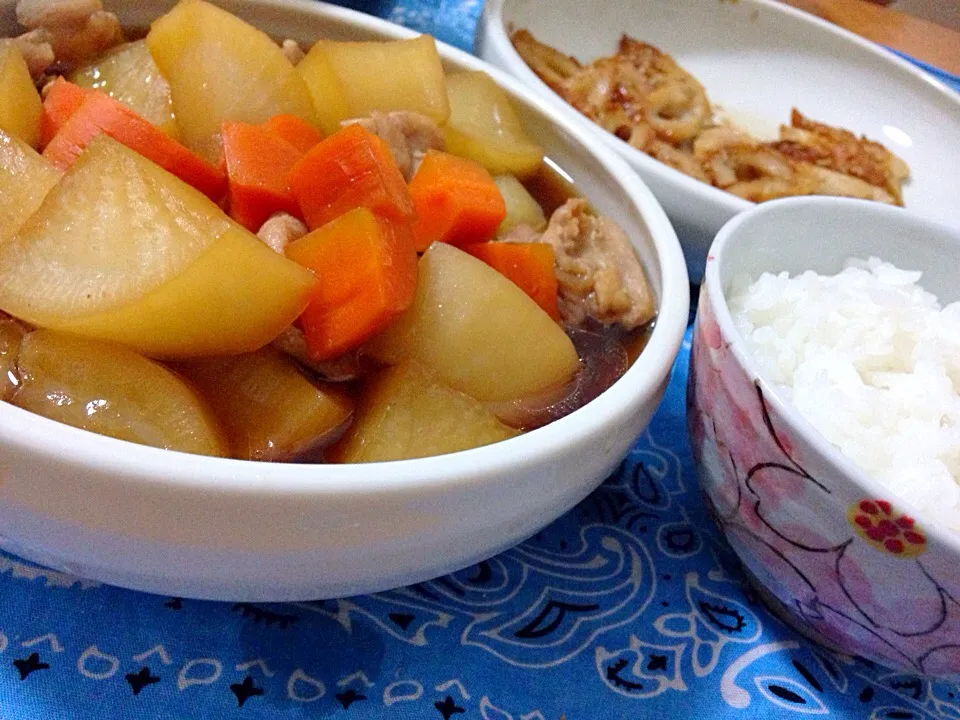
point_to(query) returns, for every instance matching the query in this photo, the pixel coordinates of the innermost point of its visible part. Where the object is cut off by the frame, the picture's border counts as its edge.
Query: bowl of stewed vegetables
(296, 303)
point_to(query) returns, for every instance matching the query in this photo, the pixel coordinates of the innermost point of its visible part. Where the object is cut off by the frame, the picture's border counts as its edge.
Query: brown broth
(549, 188)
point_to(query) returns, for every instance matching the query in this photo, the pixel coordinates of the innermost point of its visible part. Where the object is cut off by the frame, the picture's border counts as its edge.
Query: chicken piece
(37, 53)
(408, 134)
(33, 14)
(292, 51)
(598, 271)
(840, 150)
(68, 32)
(347, 367)
(280, 230)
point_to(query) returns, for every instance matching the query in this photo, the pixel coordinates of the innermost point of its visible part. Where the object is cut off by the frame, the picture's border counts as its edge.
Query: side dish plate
(757, 59)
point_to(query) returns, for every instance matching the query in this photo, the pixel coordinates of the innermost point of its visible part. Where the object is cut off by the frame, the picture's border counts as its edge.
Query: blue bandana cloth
(631, 605)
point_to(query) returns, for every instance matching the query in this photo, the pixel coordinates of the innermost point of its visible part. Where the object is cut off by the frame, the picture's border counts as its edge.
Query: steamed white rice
(873, 362)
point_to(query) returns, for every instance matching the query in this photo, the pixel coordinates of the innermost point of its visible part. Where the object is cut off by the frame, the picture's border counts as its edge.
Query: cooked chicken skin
(280, 230)
(598, 271)
(408, 134)
(69, 32)
(292, 51)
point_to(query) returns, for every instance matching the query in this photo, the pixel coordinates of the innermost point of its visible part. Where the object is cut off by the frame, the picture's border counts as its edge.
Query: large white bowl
(203, 527)
(757, 59)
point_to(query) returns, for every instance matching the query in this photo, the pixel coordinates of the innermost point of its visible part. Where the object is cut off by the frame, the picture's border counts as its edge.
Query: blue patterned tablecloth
(629, 606)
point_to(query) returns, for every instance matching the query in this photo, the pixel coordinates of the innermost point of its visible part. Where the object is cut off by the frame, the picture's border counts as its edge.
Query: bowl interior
(758, 59)
(598, 174)
(819, 234)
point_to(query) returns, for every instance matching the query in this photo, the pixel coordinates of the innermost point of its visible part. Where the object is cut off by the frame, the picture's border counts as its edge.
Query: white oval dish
(203, 527)
(757, 59)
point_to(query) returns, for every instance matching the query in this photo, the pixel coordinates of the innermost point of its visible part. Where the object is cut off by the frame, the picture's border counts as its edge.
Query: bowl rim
(133, 464)
(494, 28)
(788, 415)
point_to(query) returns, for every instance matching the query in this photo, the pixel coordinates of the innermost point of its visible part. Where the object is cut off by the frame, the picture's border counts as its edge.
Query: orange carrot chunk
(352, 168)
(62, 101)
(258, 163)
(367, 270)
(296, 131)
(99, 113)
(456, 201)
(528, 265)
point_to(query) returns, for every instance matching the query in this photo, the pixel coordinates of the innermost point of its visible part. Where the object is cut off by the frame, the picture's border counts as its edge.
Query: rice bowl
(834, 551)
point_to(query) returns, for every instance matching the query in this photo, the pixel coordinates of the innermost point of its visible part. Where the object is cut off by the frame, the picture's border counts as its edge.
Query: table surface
(924, 40)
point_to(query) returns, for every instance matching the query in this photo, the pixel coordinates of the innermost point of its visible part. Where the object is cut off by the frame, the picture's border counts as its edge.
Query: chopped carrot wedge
(456, 201)
(63, 99)
(258, 162)
(99, 113)
(296, 131)
(352, 168)
(367, 270)
(528, 265)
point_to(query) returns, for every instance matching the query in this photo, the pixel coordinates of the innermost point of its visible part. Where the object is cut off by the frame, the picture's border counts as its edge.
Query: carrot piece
(352, 168)
(296, 131)
(258, 162)
(99, 113)
(530, 266)
(63, 99)
(368, 276)
(456, 201)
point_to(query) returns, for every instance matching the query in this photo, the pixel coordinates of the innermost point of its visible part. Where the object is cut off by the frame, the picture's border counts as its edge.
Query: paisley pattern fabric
(631, 605)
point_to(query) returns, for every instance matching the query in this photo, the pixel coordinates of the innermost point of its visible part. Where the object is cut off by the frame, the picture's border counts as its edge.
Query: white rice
(873, 362)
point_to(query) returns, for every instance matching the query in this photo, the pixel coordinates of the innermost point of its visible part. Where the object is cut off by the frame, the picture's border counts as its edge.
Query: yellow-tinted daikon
(269, 409)
(121, 250)
(25, 179)
(406, 412)
(220, 68)
(20, 104)
(130, 75)
(522, 208)
(479, 332)
(112, 391)
(484, 126)
(384, 76)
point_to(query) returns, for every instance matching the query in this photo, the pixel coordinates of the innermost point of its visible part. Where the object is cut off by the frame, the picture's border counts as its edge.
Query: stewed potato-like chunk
(478, 331)
(406, 412)
(112, 391)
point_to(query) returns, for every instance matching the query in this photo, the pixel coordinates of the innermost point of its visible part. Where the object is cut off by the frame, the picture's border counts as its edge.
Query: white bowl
(757, 59)
(790, 503)
(203, 527)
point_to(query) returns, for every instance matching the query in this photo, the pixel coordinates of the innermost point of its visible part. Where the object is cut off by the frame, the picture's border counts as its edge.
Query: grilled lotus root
(641, 95)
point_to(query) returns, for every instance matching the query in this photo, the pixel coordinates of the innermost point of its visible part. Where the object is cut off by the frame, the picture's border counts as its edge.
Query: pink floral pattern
(849, 570)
